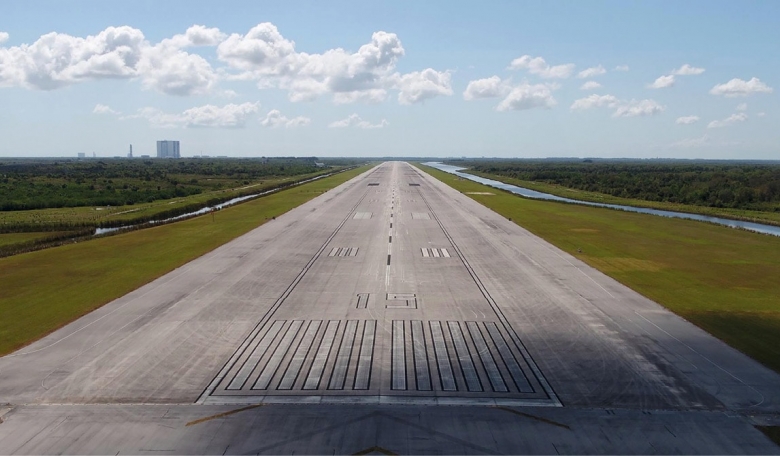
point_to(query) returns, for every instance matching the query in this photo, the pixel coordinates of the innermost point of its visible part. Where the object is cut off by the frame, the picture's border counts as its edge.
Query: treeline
(38, 184)
(740, 186)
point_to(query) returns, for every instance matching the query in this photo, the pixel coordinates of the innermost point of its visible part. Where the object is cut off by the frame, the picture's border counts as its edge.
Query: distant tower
(94, 155)
(130, 155)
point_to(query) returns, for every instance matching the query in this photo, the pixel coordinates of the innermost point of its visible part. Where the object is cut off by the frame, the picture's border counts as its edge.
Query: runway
(391, 313)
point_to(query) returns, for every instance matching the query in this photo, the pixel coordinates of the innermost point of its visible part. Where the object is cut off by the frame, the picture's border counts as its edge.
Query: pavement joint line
(223, 414)
(533, 417)
(374, 449)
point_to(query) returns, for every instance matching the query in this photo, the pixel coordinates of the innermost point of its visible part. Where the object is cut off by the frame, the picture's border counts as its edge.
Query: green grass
(21, 238)
(44, 290)
(724, 280)
(772, 218)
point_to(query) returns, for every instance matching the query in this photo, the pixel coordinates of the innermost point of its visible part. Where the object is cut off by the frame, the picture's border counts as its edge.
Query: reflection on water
(757, 227)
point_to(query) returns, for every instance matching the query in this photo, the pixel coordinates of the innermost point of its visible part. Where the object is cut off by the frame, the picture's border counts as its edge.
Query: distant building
(82, 155)
(130, 154)
(168, 149)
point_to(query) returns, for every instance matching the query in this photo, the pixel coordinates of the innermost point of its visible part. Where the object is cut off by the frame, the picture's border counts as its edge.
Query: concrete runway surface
(389, 315)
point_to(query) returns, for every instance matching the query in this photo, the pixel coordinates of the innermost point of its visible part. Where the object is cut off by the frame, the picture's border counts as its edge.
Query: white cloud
(103, 109)
(538, 66)
(739, 88)
(371, 96)
(354, 120)
(687, 120)
(590, 85)
(527, 96)
(4, 37)
(516, 97)
(56, 60)
(761, 114)
(267, 57)
(207, 116)
(729, 121)
(275, 119)
(491, 87)
(742, 107)
(622, 108)
(621, 68)
(421, 85)
(687, 70)
(595, 101)
(172, 71)
(636, 108)
(662, 82)
(591, 72)
(262, 55)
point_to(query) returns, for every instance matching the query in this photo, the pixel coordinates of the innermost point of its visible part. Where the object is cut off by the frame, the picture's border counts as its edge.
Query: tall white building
(168, 149)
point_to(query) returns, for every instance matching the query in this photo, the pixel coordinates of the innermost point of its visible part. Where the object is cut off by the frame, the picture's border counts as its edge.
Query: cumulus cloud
(527, 96)
(761, 114)
(491, 87)
(264, 55)
(687, 120)
(4, 37)
(421, 85)
(207, 116)
(742, 107)
(636, 108)
(56, 60)
(687, 70)
(621, 68)
(275, 119)
(103, 109)
(595, 101)
(354, 120)
(590, 85)
(729, 121)
(261, 55)
(622, 108)
(662, 82)
(591, 72)
(516, 97)
(739, 88)
(539, 67)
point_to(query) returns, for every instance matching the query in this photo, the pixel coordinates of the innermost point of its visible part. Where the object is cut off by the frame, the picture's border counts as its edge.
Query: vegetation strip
(45, 290)
(769, 218)
(745, 191)
(722, 280)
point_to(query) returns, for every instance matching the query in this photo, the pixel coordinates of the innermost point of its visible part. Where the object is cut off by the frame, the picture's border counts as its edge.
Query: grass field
(44, 290)
(772, 218)
(21, 238)
(726, 281)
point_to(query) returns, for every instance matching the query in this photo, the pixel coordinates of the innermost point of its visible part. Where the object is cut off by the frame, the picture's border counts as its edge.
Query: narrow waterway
(206, 210)
(751, 226)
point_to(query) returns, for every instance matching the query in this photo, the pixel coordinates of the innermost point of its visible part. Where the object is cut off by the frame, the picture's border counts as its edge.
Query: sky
(526, 79)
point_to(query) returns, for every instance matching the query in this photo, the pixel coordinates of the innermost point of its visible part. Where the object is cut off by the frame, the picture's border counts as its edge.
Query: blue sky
(507, 79)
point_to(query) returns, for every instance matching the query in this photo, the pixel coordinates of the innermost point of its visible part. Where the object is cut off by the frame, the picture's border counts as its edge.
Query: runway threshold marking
(223, 414)
(533, 417)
